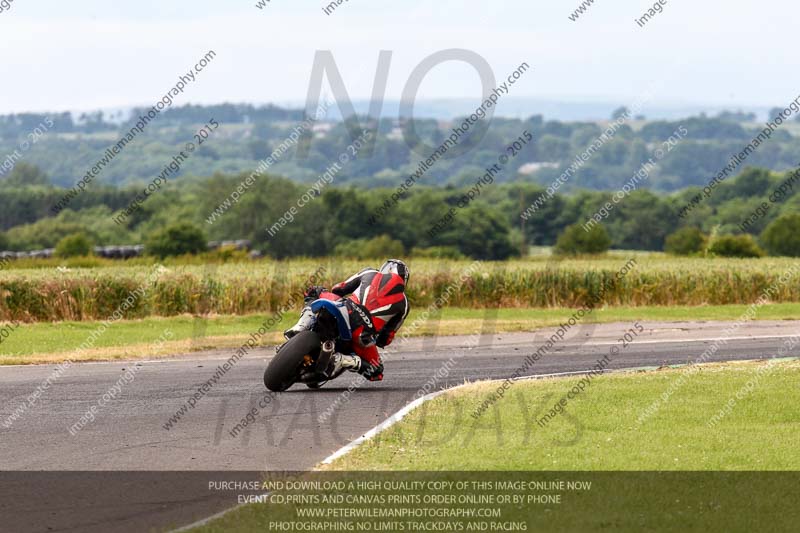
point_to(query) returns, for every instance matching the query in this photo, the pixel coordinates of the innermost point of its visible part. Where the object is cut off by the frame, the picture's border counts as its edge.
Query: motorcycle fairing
(338, 310)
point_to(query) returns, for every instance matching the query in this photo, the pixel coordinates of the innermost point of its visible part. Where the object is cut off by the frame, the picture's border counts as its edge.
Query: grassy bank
(600, 429)
(130, 339)
(691, 477)
(85, 294)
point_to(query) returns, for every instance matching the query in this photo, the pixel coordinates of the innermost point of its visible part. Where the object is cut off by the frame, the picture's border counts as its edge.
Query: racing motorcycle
(313, 356)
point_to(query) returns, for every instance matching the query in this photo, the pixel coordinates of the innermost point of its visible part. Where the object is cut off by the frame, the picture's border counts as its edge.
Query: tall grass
(48, 294)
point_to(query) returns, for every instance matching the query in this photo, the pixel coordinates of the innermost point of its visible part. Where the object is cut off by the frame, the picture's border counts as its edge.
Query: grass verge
(129, 339)
(672, 473)
(598, 429)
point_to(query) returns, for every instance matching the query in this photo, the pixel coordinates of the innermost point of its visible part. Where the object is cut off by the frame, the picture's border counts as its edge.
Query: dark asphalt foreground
(125, 472)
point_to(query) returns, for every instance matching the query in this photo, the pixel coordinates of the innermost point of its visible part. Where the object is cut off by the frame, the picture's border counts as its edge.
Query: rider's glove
(338, 290)
(371, 372)
(385, 338)
(313, 293)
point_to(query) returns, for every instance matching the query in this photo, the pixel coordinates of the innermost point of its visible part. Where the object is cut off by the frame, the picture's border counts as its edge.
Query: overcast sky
(89, 54)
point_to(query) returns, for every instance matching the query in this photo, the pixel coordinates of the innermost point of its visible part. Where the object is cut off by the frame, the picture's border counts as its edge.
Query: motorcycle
(309, 357)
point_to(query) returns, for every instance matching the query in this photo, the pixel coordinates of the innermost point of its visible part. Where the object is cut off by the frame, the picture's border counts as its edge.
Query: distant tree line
(335, 222)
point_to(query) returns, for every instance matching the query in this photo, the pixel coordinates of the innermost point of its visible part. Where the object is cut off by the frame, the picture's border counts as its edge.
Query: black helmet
(395, 266)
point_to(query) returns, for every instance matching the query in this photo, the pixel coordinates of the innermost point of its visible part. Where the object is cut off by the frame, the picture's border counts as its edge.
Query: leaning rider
(382, 293)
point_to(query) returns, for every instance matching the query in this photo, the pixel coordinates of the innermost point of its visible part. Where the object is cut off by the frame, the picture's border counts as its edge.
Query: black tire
(282, 371)
(316, 385)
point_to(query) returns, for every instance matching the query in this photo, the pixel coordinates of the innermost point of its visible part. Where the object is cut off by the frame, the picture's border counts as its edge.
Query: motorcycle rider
(381, 292)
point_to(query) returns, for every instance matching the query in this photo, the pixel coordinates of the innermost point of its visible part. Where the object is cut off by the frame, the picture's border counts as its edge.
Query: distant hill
(576, 111)
(248, 134)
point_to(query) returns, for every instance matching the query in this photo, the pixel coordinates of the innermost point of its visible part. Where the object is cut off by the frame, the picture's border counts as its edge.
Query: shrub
(226, 254)
(178, 239)
(735, 246)
(575, 240)
(376, 248)
(782, 236)
(438, 252)
(25, 175)
(685, 241)
(75, 245)
(481, 233)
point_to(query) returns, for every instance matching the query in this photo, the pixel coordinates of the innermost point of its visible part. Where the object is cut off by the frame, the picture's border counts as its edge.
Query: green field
(217, 305)
(673, 472)
(601, 429)
(81, 294)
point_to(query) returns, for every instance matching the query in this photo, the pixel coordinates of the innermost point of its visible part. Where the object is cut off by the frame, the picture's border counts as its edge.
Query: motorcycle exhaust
(325, 357)
(328, 347)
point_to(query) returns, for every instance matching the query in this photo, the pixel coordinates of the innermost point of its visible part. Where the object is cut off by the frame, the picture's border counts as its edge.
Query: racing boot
(303, 324)
(347, 362)
(354, 363)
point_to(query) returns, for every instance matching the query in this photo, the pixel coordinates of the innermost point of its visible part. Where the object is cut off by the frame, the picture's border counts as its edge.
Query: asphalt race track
(125, 472)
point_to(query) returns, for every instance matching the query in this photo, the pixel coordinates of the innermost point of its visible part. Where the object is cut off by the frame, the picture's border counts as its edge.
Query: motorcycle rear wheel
(316, 385)
(284, 369)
